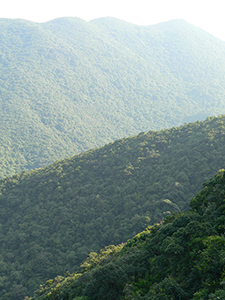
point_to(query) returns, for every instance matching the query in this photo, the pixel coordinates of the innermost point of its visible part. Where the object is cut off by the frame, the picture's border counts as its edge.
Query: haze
(206, 15)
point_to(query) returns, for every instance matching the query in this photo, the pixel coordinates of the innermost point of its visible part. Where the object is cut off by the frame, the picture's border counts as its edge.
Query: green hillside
(68, 85)
(181, 259)
(51, 218)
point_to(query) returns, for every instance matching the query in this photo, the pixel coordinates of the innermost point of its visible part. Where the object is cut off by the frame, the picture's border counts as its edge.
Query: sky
(208, 15)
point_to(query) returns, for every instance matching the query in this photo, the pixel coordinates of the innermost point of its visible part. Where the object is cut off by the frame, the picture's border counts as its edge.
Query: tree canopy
(182, 258)
(51, 218)
(67, 85)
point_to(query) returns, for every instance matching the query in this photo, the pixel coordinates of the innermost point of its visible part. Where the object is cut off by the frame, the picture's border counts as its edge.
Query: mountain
(51, 218)
(183, 258)
(67, 85)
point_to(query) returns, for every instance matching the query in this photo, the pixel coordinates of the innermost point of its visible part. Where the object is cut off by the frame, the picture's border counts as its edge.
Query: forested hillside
(67, 85)
(183, 258)
(51, 218)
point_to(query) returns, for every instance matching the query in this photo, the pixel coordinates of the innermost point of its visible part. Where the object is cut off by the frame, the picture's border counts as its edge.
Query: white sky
(206, 14)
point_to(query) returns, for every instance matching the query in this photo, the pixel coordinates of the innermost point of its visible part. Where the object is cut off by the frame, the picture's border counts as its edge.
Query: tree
(107, 283)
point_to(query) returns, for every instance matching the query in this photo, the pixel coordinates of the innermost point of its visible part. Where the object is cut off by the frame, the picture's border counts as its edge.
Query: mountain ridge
(181, 258)
(52, 217)
(68, 85)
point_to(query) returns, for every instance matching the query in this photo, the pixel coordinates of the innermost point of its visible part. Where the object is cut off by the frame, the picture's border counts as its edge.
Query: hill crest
(51, 218)
(69, 85)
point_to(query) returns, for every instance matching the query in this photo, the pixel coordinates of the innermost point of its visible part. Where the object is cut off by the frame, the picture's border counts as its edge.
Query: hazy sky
(209, 15)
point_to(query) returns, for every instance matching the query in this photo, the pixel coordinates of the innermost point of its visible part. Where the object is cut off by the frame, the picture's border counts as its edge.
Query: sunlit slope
(67, 85)
(51, 218)
(181, 258)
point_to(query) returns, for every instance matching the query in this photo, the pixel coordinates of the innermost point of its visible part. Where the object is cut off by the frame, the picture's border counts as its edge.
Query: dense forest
(182, 258)
(52, 218)
(67, 85)
(112, 222)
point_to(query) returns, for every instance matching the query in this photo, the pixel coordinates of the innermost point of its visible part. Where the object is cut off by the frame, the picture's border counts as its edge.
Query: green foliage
(167, 289)
(106, 283)
(95, 259)
(182, 258)
(67, 85)
(52, 218)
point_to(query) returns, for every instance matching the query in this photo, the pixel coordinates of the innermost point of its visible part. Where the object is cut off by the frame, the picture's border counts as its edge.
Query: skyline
(206, 15)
